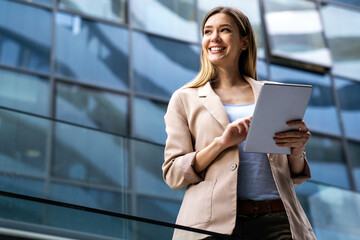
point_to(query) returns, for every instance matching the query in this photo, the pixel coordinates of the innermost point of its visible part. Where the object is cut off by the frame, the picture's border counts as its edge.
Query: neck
(229, 77)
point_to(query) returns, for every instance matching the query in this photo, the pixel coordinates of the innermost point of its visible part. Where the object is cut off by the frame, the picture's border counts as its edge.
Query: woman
(230, 192)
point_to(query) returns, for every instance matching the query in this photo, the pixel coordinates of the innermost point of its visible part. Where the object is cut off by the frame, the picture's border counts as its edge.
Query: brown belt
(249, 207)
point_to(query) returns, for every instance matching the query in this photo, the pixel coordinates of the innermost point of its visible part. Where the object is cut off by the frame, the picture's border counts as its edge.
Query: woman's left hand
(296, 139)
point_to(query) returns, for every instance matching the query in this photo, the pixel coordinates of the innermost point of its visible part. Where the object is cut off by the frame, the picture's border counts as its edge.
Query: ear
(244, 43)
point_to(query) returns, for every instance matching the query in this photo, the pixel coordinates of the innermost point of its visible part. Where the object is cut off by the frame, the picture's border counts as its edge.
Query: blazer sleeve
(305, 175)
(179, 153)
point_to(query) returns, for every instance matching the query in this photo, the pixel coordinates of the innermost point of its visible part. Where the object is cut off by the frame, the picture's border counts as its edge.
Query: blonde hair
(247, 60)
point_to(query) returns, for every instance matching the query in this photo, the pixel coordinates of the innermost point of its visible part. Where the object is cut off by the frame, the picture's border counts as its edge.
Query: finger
(293, 134)
(285, 140)
(298, 123)
(291, 144)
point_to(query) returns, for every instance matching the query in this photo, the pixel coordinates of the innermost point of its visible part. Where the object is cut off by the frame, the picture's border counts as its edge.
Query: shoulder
(183, 95)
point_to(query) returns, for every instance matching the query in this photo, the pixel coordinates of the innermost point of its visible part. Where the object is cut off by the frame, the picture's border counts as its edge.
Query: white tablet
(277, 104)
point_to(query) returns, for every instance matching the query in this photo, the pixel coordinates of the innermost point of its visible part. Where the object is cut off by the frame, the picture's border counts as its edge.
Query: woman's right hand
(235, 132)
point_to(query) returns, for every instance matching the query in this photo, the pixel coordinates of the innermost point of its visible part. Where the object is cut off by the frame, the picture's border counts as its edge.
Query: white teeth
(216, 49)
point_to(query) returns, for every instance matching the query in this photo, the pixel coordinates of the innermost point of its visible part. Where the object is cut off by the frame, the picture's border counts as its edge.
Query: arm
(182, 164)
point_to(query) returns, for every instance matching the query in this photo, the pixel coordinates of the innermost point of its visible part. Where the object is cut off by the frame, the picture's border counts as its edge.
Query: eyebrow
(222, 25)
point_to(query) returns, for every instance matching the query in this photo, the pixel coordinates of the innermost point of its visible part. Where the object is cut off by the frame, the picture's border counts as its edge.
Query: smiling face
(222, 43)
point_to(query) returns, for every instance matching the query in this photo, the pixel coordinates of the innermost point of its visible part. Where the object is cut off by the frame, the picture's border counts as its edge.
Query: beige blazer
(195, 116)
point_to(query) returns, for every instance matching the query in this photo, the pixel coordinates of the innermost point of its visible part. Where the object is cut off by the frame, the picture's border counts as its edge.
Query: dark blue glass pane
(148, 160)
(327, 162)
(24, 92)
(162, 66)
(354, 157)
(23, 143)
(321, 115)
(113, 10)
(149, 120)
(158, 209)
(90, 197)
(349, 98)
(91, 52)
(172, 18)
(78, 156)
(15, 183)
(93, 108)
(25, 36)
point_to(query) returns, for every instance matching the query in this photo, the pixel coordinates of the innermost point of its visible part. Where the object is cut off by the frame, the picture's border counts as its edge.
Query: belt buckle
(256, 208)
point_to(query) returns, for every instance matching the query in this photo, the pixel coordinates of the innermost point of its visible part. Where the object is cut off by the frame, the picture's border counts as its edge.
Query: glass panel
(98, 53)
(157, 209)
(48, 3)
(77, 156)
(349, 97)
(355, 3)
(23, 143)
(113, 10)
(148, 174)
(162, 66)
(15, 183)
(334, 213)
(93, 108)
(90, 197)
(24, 92)
(326, 161)
(172, 18)
(343, 33)
(149, 120)
(262, 70)
(25, 41)
(305, 42)
(354, 157)
(55, 222)
(250, 8)
(320, 114)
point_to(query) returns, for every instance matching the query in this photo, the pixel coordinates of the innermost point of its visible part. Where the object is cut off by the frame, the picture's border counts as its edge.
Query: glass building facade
(84, 86)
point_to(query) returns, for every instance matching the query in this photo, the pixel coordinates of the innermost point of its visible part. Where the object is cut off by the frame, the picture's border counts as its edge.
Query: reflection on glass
(108, 9)
(91, 197)
(92, 108)
(23, 143)
(355, 3)
(295, 30)
(15, 183)
(349, 98)
(250, 8)
(262, 70)
(320, 114)
(91, 52)
(172, 18)
(334, 213)
(90, 156)
(343, 33)
(48, 3)
(149, 120)
(354, 157)
(326, 161)
(25, 36)
(158, 209)
(162, 66)
(24, 92)
(148, 174)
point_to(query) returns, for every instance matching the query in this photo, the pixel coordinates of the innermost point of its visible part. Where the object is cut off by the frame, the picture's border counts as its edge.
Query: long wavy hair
(247, 59)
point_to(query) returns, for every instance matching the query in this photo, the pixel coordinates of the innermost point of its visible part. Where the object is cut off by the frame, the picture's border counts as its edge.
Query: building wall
(105, 71)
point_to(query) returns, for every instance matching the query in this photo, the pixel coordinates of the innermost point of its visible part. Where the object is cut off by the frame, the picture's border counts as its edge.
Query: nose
(215, 37)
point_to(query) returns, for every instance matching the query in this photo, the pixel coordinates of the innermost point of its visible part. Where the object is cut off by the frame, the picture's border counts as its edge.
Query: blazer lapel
(213, 104)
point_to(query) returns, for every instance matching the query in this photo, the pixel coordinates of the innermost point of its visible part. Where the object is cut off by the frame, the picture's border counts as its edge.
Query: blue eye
(225, 30)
